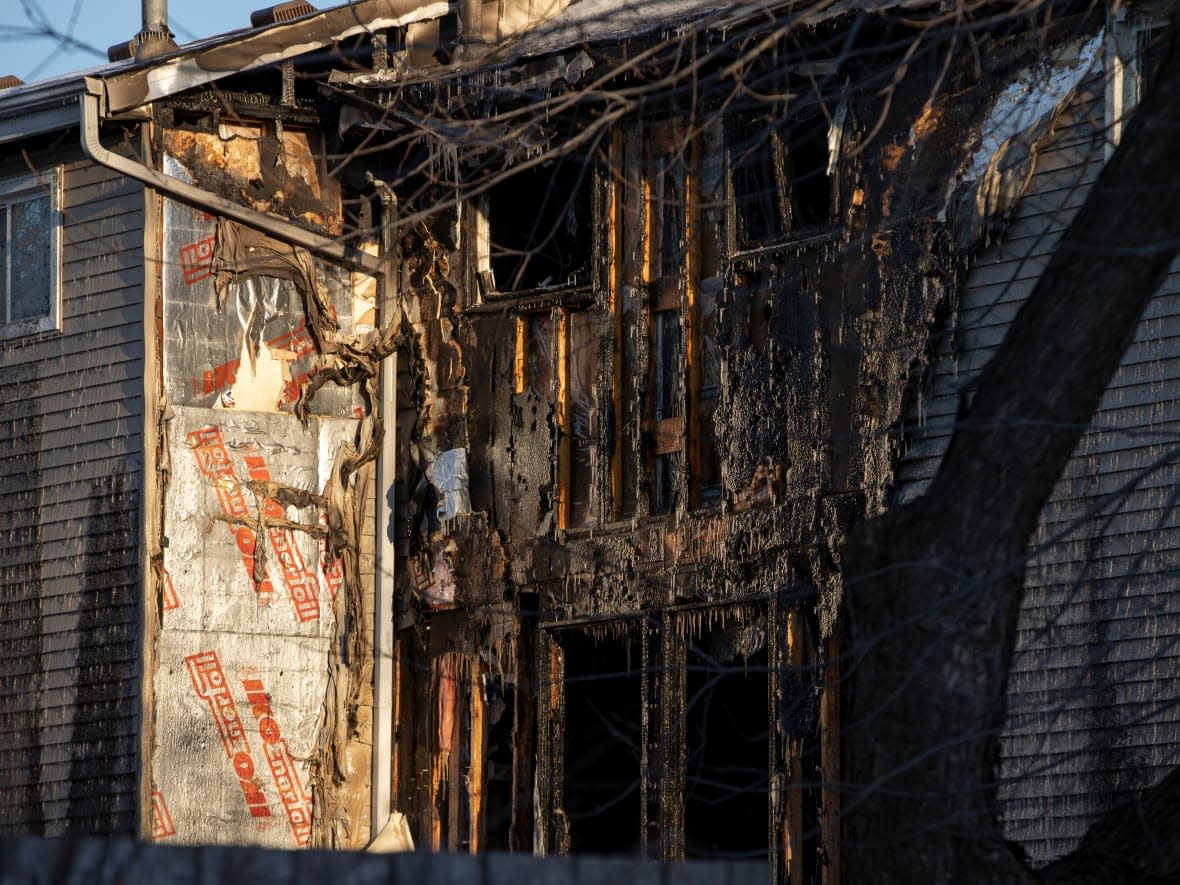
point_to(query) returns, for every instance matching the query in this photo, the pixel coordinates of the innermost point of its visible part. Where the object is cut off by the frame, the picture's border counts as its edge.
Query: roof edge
(34, 109)
(206, 63)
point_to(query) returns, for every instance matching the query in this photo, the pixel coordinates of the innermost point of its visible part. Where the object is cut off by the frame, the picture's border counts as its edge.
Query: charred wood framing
(561, 372)
(662, 541)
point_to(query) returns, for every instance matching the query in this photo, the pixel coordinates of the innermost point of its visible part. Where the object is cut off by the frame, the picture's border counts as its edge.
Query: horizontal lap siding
(1094, 693)
(71, 419)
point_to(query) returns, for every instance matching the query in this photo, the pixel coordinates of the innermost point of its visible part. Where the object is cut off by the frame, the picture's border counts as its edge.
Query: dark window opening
(758, 175)
(539, 227)
(499, 805)
(628, 277)
(809, 187)
(667, 393)
(780, 175)
(603, 743)
(626, 403)
(1152, 47)
(669, 162)
(668, 184)
(727, 745)
(708, 478)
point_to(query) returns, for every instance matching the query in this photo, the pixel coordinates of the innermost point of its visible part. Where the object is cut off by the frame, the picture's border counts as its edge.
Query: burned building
(474, 400)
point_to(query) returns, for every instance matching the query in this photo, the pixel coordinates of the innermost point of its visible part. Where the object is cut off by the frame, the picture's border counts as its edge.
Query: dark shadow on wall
(21, 567)
(103, 766)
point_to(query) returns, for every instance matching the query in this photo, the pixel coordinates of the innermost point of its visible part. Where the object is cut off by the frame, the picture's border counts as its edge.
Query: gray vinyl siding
(71, 423)
(1094, 693)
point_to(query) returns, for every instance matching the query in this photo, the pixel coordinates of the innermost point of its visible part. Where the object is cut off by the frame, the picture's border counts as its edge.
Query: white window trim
(1123, 74)
(49, 180)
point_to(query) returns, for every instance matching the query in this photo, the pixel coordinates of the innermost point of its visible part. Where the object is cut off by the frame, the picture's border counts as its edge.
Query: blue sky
(85, 28)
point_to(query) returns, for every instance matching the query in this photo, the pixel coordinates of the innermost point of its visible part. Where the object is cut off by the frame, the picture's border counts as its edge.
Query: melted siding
(71, 418)
(1094, 703)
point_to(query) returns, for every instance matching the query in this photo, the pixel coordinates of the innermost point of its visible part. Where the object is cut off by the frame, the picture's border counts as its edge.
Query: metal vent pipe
(471, 21)
(154, 39)
(155, 15)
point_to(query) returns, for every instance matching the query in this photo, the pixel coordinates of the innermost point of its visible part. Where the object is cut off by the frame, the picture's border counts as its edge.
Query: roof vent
(153, 40)
(122, 51)
(11, 81)
(284, 12)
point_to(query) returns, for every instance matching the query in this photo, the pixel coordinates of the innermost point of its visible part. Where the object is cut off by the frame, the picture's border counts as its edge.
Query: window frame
(12, 189)
(480, 225)
(655, 197)
(1123, 73)
(782, 140)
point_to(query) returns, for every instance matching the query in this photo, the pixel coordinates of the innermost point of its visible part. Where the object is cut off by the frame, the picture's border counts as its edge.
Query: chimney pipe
(471, 21)
(154, 38)
(155, 15)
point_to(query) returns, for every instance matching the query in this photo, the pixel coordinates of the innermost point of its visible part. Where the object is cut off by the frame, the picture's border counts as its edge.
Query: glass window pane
(30, 253)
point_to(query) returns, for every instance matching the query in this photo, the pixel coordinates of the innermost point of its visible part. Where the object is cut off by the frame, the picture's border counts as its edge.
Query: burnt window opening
(602, 749)
(809, 186)
(663, 295)
(538, 228)
(780, 175)
(707, 466)
(626, 281)
(757, 173)
(501, 702)
(668, 258)
(727, 745)
(625, 406)
(667, 394)
(670, 748)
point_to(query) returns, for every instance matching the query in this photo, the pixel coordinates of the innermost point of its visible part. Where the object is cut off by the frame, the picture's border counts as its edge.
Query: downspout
(471, 39)
(92, 101)
(383, 671)
(471, 21)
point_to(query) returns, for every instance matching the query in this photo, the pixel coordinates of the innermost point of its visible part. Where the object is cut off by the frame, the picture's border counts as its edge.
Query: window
(677, 735)
(664, 319)
(1136, 49)
(667, 272)
(29, 254)
(782, 174)
(632, 384)
(531, 229)
(1153, 42)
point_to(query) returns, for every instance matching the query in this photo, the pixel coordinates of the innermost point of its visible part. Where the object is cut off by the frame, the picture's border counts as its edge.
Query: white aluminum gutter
(381, 788)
